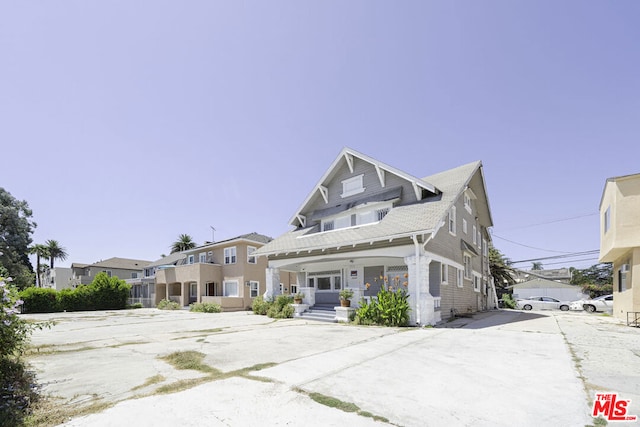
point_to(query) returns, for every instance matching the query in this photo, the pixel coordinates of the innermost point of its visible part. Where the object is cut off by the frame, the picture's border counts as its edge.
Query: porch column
(420, 300)
(273, 283)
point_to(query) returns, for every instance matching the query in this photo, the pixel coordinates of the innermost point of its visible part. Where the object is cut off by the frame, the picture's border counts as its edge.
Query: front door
(193, 292)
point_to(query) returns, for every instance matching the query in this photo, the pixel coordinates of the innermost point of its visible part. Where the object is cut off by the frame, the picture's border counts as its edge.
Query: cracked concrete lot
(499, 368)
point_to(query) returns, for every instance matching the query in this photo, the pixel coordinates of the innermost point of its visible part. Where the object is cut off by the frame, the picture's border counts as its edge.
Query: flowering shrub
(18, 390)
(389, 308)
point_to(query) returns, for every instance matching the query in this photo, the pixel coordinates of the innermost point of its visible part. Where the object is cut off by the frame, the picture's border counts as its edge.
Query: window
(352, 186)
(485, 247)
(467, 266)
(230, 255)
(467, 202)
(622, 281)
(254, 287)
(191, 259)
(452, 221)
(444, 274)
(108, 272)
(464, 226)
(325, 280)
(607, 219)
(250, 250)
(327, 225)
(294, 289)
(460, 281)
(230, 288)
(193, 290)
(202, 258)
(381, 213)
(134, 275)
(475, 235)
(479, 238)
(476, 283)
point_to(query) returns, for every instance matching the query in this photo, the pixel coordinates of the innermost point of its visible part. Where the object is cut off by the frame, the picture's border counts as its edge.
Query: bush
(390, 308)
(508, 301)
(260, 306)
(109, 293)
(205, 307)
(136, 305)
(166, 304)
(281, 307)
(39, 300)
(18, 390)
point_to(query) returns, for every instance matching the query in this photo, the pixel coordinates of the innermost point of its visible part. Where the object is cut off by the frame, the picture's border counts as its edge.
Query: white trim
(460, 277)
(232, 257)
(224, 288)
(349, 158)
(444, 278)
(324, 192)
(464, 226)
(381, 176)
(257, 288)
(451, 221)
(249, 256)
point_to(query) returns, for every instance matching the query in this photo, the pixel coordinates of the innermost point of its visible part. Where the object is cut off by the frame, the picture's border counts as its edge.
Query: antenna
(213, 234)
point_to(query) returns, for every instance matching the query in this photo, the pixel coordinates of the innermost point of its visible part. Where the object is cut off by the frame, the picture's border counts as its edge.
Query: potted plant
(297, 297)
(345, 297)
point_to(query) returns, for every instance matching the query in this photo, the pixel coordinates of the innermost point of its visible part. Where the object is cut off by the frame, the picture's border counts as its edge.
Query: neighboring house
(556, 274)
(366, 220)
(143, 289)
(620, 242)
(226, 273)
(123, 268)
(548, 288)
(60, 278)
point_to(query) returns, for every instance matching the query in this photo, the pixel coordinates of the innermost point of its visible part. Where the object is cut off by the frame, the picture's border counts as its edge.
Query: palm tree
(183, 243)
(55, 251)
(500, 267)
(41, 252)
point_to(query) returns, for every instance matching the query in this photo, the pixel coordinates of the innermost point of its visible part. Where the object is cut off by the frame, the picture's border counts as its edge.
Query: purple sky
(124, 124)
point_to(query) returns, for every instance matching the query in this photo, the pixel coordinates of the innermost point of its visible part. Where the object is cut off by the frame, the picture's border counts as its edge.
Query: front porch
(321, 278)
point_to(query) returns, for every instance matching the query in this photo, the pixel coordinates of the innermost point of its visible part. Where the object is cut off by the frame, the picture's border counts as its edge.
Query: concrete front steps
(320, 312)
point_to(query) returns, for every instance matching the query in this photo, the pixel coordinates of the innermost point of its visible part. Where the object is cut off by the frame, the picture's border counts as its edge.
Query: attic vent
(397, 269)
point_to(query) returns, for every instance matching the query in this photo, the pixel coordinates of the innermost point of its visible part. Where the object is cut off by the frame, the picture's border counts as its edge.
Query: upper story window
(464, 226)
(467, 202)
(191, 259)
(202, 257)
(452, 220)
(360, 215)
(607, 219)
(134, 275)
(108, 272)
(230, 255)
(467, 266)
(250, 258)
(475, 235)
(352, 186)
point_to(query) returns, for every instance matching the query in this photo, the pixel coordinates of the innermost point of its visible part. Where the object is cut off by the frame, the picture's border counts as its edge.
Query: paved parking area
(499, 368)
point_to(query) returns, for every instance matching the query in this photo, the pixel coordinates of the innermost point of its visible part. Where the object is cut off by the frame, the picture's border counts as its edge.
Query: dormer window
(352, 186)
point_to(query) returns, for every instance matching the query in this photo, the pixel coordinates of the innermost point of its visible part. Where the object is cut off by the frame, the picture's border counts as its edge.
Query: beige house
(620, 242)
(226, 273)
(123, 268)
(365, 221)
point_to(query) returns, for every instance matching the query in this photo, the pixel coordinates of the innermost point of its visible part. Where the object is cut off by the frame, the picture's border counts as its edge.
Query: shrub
(508, 301)
(109, 293)
(18, 390)
(281, 307)
(390, 308)
(205, 307)
(260, 305)
(39, 300)
(136, 305)
(166, 304)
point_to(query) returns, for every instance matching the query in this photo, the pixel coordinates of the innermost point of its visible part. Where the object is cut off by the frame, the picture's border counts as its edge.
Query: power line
(572, 261)
(569, 255)
(553, 221)
(527, 246)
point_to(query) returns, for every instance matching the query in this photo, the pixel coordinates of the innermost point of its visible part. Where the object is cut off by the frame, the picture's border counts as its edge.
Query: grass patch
(150, 381)
(50, 412)
(207, 330)
(244, 372)
(127, 343)
(189, 360)
(44, 350)
(332, 402)
(182, 385)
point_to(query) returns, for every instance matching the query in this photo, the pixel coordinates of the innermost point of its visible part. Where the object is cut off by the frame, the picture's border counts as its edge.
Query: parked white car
(602, 303)
(577, 305)
(542, 303)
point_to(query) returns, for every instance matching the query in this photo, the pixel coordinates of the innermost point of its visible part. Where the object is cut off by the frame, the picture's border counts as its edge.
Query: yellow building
(620, 243)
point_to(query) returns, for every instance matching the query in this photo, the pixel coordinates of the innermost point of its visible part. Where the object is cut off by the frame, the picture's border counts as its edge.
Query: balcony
(197, 272)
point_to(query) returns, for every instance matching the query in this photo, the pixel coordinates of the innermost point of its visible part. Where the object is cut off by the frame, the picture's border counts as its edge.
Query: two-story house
(225, 272)
(366, 222)
(123, 268)
(620, 242)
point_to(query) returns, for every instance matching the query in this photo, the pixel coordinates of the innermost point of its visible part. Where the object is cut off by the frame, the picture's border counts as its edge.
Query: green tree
(596, 280)
(183, 243)
(16, 228)
(55, 251)
(41, 252)
(536, 266)
(501, 270)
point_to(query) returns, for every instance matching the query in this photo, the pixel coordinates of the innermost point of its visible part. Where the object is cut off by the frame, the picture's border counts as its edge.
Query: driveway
(497, 369)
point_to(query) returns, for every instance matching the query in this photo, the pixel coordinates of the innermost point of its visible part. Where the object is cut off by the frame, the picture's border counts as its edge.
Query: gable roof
(251, 237)
(346, 156)
(121, 263)
(424, 217)
(616, 179)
